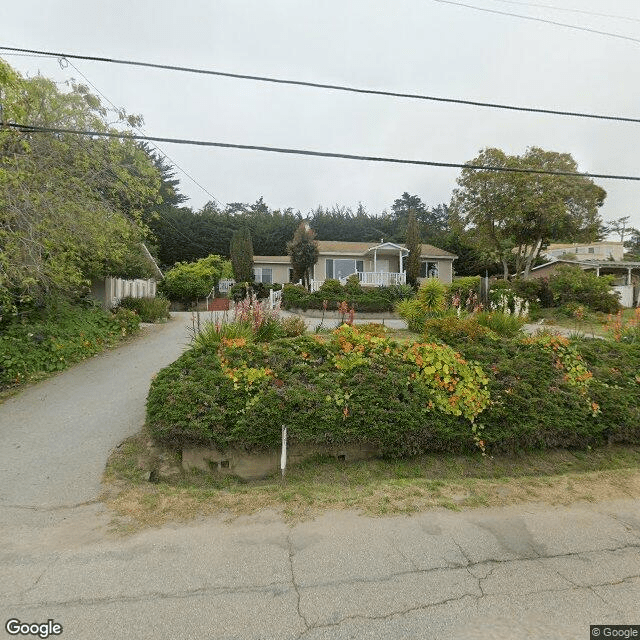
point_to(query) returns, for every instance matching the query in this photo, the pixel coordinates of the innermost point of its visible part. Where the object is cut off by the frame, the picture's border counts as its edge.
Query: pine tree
(241, 250)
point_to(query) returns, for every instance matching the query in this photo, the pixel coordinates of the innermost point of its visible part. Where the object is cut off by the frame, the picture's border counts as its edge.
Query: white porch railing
(379, 278)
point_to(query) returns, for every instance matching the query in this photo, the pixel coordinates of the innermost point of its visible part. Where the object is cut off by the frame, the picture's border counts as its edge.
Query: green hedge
(534, 402)
(53, 338)
(363, 299)
(324, 392)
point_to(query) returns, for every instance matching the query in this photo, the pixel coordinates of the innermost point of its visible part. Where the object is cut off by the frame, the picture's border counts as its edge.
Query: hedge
(332, 293)
(542, 393)
(354, 387)
(57, 336)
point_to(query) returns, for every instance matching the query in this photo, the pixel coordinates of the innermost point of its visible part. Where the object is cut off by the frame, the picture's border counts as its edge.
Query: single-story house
(375, 264)
(627, 282)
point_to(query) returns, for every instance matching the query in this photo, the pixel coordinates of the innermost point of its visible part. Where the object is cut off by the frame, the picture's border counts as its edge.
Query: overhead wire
(556, 8)
(544, 20)
(332, 87)
(139, 130)
(308, 152)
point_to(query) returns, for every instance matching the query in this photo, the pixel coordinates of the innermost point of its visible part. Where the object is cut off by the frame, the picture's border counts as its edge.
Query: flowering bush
(624, 331)
(351, 386)
(251, 321)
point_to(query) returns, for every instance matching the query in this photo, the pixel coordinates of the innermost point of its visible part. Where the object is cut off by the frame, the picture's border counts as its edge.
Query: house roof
(331, 247)
(278, 259)
(573, 245)
(604, 264)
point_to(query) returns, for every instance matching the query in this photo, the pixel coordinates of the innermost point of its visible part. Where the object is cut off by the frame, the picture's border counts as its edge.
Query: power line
(336, 87)
(320, 154)
(142, 132)
(545, 20)
(582, 11)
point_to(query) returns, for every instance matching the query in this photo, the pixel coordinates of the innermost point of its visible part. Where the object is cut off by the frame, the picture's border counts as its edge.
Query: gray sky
(417, 46)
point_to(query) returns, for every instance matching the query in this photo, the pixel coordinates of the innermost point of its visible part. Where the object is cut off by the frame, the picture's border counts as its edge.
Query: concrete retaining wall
(254, 466)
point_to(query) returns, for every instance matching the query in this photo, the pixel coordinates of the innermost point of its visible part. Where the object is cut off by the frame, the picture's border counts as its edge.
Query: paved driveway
(532, 571)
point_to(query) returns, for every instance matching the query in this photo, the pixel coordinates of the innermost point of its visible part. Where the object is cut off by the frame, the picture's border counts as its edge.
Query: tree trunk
(505, 268)
(535, 251)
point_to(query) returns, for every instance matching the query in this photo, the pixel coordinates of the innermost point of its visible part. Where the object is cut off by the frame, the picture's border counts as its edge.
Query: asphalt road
(531, 571)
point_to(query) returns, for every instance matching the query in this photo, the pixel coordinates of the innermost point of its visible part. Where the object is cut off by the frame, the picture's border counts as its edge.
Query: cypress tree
(414, 245)
(241, 250)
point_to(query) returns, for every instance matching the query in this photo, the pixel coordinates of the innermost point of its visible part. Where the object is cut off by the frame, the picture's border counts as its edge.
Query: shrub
(503, 324)
(332, 294)
(353, 286)
(535, 405)
(127, 320)
(56, 336)
(452, 329)
(148, 309)
(356, 386)
(190, 281)
(572, 284)
(431, 296)
(534, 291)
(412, 312)
(292, 326)
(331, 288)
(295, 296)
(463, 288)
(353, 387)
(242, 290)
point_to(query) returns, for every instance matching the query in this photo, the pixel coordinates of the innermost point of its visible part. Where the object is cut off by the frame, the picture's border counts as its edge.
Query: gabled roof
(332, 247)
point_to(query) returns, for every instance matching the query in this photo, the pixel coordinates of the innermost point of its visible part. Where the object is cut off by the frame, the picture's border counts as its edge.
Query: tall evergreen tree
(241, 250)
(303, 250)
(414, 245)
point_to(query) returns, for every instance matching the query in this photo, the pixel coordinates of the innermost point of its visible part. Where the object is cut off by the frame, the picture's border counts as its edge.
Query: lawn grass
(374, 487)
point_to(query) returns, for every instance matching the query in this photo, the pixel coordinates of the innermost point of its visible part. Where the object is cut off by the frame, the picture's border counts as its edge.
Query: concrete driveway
(531, 571)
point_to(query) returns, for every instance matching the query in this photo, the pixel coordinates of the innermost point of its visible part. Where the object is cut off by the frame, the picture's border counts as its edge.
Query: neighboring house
(627, 282)
(375, 264)
(588, 251)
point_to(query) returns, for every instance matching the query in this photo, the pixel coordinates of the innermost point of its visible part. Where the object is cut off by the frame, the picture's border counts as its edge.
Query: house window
(592, 250)
(328, 268)
(263, 274)
(290, 275)
(428, 269)
(359, 266)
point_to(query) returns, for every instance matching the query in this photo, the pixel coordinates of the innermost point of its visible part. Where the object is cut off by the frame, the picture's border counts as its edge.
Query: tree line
(73, 208)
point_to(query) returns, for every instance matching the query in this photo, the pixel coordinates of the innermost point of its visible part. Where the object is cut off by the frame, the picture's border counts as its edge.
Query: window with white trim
(263, 274)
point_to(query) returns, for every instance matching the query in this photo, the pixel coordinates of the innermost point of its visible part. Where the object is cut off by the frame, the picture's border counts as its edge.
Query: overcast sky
(417, 46)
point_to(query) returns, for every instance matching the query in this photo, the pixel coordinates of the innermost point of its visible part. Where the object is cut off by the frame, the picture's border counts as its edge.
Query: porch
(379, 278)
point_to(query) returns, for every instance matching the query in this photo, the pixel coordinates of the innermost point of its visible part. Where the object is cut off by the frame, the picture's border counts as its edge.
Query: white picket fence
(225, 285)
(110, 291)
(275, 298)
